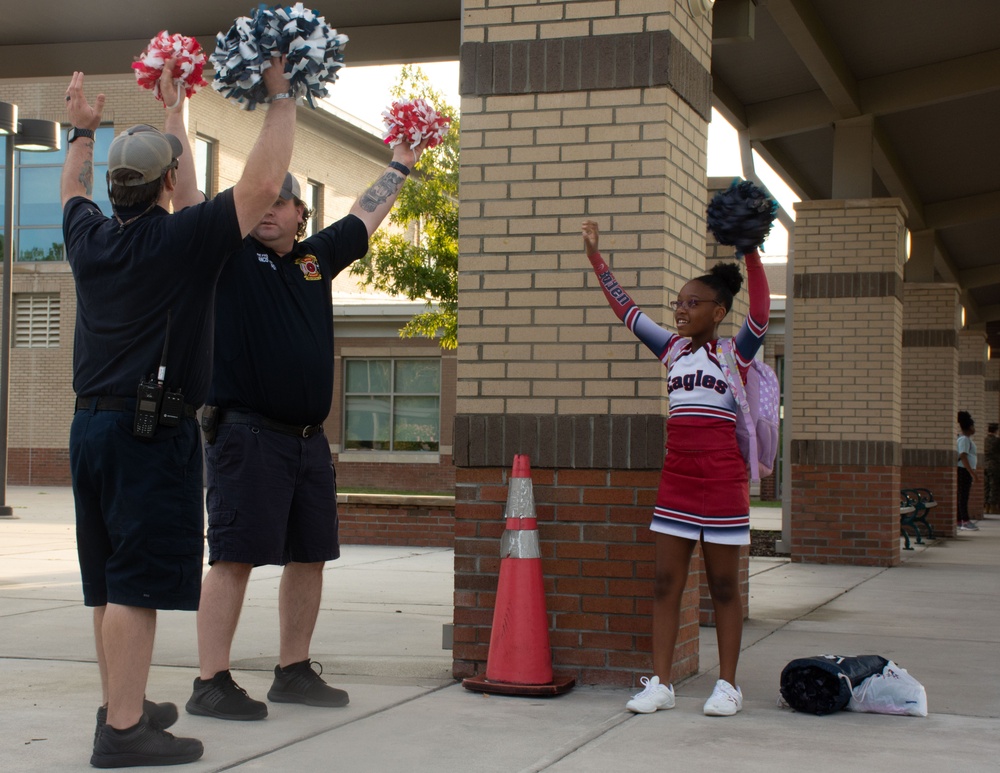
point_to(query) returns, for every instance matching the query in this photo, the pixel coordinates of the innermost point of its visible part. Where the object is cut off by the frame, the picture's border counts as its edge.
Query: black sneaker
(161, 715)
(222, 698)
(143, 744)
(298, 683)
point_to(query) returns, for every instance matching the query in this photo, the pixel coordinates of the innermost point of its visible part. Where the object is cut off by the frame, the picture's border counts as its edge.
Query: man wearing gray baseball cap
(145, 281)
(145, 151)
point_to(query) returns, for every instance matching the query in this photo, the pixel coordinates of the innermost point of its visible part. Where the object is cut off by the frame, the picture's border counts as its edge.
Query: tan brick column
(573, 110)
(972, 353)
(930, 393)
(847, 381)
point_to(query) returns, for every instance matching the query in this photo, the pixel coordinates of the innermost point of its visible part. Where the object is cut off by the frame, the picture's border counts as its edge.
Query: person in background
(967, 459)
(991, 469)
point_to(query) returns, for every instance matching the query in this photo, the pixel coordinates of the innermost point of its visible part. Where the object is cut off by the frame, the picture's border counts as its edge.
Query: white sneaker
(654, 697)
(725, 700)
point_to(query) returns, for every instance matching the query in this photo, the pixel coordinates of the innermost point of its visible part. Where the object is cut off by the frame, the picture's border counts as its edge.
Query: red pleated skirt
(704, 487)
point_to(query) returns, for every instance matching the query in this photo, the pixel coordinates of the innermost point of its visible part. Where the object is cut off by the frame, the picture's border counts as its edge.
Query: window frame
(31, 161)
(391, 453)
(211, 169)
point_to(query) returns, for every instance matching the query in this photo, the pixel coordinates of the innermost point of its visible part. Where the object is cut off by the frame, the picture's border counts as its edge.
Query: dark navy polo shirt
(127, 281)
(274, 327)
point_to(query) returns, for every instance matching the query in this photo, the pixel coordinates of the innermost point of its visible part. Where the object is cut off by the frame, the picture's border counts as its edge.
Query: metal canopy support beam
(920, 266)
(852, 158)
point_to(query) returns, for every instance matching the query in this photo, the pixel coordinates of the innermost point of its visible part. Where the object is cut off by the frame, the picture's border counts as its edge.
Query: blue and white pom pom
(741, 216)
(314, 53)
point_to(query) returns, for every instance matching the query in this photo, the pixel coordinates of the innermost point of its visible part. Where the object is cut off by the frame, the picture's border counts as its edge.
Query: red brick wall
(941, 482)
(431, 478)
(371, 519)
(38, 466)
(598, 561)
(845, 514)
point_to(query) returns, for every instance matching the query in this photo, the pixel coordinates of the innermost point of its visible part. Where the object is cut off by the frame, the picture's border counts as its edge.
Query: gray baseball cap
(290, 188)
(145, 150)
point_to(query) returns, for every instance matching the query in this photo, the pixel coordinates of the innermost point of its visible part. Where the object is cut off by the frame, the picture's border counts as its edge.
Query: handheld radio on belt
(154, 403)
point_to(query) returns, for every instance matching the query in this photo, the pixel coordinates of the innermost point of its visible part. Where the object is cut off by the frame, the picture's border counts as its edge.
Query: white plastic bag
(893, 691)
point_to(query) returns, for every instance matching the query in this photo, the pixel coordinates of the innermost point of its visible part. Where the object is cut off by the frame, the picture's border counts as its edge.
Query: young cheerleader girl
(704, 491)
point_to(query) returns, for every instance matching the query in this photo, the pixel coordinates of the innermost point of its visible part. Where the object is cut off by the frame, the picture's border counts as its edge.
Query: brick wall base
(598, 560)
(372, 519)
(845, 514)
(50, 467)
(38, 467)
(941, 482)
(431, 478)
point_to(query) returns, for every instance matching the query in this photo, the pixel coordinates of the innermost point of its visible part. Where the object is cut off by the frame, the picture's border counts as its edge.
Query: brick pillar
(573, 110)
(972, 353)
(930, 394)
(847, 381)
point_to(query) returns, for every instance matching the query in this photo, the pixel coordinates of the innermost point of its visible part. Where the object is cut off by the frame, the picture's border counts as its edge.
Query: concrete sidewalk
(379, 637)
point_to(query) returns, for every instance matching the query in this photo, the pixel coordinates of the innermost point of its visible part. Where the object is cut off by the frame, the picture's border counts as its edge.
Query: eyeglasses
(689, 304)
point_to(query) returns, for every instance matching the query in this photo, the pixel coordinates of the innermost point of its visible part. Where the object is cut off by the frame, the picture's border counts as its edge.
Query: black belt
(125, 404)
(255, 420)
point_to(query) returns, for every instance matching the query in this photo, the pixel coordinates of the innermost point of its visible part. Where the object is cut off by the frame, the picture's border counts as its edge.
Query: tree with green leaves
(419, 258)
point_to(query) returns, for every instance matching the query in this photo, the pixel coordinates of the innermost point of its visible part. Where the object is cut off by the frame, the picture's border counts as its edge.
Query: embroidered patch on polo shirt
(309, 266)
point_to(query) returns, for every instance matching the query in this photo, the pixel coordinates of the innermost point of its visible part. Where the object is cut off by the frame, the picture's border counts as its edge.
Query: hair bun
(729, 274)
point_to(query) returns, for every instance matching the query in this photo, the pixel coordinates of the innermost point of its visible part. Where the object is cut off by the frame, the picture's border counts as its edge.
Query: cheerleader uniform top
(704, 489)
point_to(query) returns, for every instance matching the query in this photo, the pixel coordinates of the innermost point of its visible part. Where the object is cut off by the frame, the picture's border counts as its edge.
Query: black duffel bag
(822, 684)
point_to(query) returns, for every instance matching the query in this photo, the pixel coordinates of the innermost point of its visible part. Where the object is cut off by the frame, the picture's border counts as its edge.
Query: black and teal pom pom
(741, 216)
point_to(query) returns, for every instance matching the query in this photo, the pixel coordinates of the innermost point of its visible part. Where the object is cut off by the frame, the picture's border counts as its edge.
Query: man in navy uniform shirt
(271, 485)
(140, 275)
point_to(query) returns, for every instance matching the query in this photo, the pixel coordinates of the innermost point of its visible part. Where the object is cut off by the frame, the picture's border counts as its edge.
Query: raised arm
(268, 161)
(175, 103)
(751, 334)
(656, 339)
(78, 169)
(375, 203)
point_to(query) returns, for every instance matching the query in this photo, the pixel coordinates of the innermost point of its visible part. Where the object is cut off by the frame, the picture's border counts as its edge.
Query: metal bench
(918, 502)
(906, 512)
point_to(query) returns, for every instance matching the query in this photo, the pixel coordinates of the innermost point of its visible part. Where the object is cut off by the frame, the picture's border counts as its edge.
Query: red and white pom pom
(189, 63)
(413, 121)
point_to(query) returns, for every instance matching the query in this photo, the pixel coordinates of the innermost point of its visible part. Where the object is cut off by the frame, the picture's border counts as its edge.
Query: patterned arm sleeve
(656, 339)
(751, 334)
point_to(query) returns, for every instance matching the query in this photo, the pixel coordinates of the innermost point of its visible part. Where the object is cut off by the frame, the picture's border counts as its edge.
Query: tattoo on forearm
(387, 185)
(87, 177)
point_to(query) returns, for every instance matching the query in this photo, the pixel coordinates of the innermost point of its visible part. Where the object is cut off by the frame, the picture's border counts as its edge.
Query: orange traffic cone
(520, 658)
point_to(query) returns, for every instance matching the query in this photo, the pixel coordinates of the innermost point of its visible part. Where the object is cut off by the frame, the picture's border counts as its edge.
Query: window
(36, 320)
(204, 164)
(392, 405)
(37, 210)
(314, 200)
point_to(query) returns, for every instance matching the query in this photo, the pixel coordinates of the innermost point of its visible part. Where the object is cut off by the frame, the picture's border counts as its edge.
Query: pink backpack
(757, 432)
